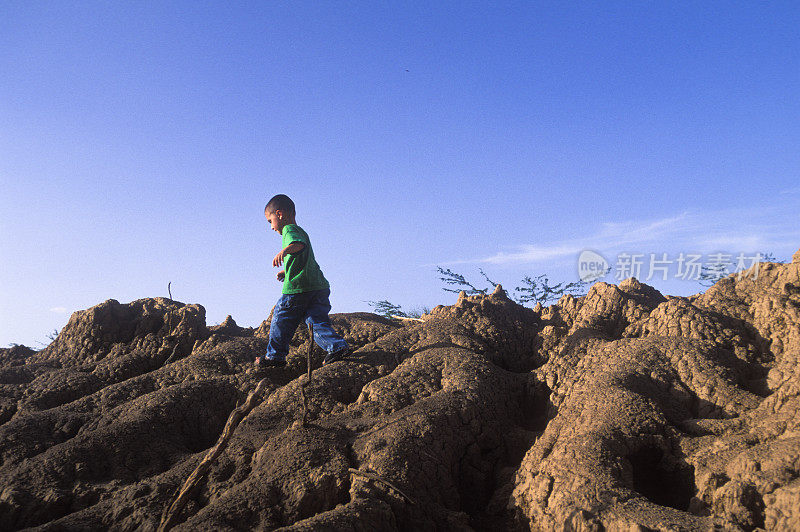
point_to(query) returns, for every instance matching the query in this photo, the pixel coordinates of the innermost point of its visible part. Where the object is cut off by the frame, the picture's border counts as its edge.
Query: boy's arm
(281, 275)
(294, 247)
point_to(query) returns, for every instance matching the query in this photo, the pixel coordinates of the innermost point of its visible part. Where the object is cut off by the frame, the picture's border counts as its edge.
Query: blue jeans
(290, 310)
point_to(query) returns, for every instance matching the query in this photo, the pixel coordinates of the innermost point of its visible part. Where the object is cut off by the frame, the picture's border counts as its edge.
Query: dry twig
(308, 376)
(373, 476)
(407, 318)
(172, 513)
(169, 312)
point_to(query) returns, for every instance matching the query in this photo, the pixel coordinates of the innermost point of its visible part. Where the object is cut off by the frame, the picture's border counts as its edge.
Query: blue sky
(139, 142)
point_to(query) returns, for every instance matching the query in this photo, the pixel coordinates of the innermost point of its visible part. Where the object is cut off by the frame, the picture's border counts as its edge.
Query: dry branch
(172, 513)
(373, 476)
(169, 312)
(308, 377)
(407, 318)
(172, 357)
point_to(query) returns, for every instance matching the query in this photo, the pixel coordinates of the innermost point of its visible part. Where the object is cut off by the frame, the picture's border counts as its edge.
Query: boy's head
(279, 212)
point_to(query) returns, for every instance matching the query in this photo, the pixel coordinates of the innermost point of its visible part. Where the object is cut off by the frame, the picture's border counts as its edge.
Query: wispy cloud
(632, 232)
(59, 310)
(738, 242)
(721, 230)
(529, 253)
(608, 235)
(794, 190)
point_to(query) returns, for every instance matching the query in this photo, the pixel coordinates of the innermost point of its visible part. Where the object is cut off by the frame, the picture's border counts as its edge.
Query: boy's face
(276, 220)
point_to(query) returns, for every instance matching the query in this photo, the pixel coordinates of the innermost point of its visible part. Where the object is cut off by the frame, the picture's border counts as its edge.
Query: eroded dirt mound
(621, 409)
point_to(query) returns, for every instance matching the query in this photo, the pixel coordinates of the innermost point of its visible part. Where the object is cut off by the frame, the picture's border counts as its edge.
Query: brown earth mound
(623, 409)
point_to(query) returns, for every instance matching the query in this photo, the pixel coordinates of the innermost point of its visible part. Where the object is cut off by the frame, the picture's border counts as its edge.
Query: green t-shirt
(302, 271)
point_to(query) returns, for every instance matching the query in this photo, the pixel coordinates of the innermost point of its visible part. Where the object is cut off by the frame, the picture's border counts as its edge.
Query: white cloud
(610, 235)
(614, 234)
(529, 253)
(728, 242)
(59, 310)
(731, 230)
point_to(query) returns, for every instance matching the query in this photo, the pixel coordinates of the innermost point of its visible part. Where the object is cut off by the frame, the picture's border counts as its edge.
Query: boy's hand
(278, 260)
(294, 247)
(281, 275)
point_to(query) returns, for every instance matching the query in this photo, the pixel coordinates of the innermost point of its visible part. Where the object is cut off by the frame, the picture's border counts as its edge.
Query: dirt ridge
(622, 409)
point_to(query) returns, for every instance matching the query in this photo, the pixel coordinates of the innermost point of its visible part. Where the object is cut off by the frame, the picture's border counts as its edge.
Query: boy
(305, 291)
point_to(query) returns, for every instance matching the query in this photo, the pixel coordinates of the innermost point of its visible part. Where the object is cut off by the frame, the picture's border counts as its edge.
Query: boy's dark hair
(280, 202)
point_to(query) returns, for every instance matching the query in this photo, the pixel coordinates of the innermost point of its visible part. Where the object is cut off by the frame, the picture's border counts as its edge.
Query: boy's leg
(286, 316)
(324, 334)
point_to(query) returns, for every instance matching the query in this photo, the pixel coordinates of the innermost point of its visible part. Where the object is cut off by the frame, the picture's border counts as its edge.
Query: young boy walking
(305, 292)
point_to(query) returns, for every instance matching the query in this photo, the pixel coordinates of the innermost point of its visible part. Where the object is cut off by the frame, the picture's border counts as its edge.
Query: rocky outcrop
(623, 409)
(688, 419)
